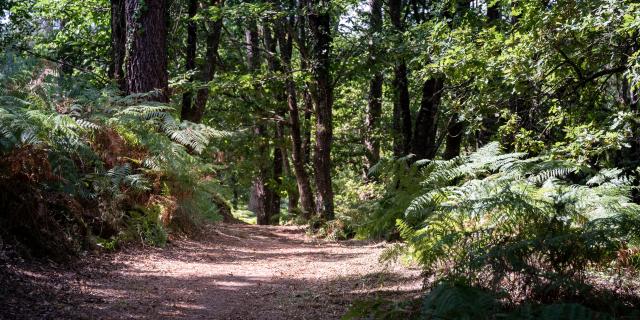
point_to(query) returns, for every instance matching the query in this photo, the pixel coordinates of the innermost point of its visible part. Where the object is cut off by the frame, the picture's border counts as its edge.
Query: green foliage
(401, 179)
(145, 224)
(356, 202)
(382, 309)
(129, 162)
(451, 301)
(71, 31)
(454, 302)
(531, 226)
(539, 215)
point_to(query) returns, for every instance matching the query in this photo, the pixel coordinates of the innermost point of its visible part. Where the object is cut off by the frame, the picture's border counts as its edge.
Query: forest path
(238, 272)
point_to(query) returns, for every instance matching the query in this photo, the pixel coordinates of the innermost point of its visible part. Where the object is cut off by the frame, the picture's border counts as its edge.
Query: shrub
(78, 161)
(510, 231)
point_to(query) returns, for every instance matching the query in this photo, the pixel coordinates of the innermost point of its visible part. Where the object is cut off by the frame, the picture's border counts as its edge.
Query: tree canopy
(497, 141)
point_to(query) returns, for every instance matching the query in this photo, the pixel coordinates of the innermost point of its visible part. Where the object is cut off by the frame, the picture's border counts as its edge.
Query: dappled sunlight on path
(244, 272)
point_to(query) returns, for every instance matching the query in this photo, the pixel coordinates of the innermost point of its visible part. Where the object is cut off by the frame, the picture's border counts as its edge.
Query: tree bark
(301, 39)
(374, 105)
(424, 139)
(252, 42)
(297, 151)
(401, 103)
(146, 60)
(275, 67)
(292, 192)
(278, 162)
(322, 93)
(306, 127)
(208, 69)
(455, 130)
(190, 63)
(493, 12)
(260, 200)
(118, 43)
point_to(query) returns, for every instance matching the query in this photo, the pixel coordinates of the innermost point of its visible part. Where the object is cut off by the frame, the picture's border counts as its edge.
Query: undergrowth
(83, 167)
(507, 236)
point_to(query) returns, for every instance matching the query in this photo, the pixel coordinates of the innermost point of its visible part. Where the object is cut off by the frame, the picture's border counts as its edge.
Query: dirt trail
(236, 272)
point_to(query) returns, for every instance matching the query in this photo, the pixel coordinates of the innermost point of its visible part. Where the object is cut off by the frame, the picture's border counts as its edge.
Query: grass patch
(245, 216)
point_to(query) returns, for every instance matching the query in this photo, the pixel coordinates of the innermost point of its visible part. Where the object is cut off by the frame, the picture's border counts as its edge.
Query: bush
(78, 162)
(501, 232)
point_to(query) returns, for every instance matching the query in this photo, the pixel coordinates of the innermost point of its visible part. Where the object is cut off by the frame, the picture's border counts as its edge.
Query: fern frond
(86, 124)
(550, 174)
(145, 111)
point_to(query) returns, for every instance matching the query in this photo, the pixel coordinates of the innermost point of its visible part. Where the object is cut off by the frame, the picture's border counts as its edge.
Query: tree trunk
(401, 103)
(455, 131)
(490, 123)
(493, 12)
(322, 93)
(275, 67)
(252, 42)
(455, 128)
(118, 43)
(278, 162)
(234, 188)
(292, 192)
(306, 127)
(374, 105)
(261, 200)
(208, 69)
(146, 60)
(190, 63)
(301, 39)
(297, 150)
(260, 194)
(426, 127)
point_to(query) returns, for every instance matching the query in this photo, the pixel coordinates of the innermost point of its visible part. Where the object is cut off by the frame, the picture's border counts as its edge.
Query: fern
(490, 220)
(192, 135)
(457, 302)
(452, 301)
(94, 142)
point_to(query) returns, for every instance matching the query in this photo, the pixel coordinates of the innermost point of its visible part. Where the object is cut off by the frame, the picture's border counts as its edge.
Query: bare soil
(234, 272)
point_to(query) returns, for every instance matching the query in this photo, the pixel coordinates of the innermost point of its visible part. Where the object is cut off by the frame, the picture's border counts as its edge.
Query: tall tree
(318, 13)
(118, 43)
(190, 63)
(213, 27)
(146, 58)
(374, 103)
(285, 42)
(401, 103)
(301, 39)
(260, 197)
(277, 176)
(275, 67)
(455, 127)
(424, 144)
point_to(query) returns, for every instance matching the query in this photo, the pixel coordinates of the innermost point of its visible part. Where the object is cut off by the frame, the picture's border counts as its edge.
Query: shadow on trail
(237, 272)
(232, 297)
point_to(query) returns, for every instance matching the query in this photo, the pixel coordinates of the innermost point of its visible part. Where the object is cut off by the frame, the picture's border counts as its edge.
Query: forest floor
(234, 272)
